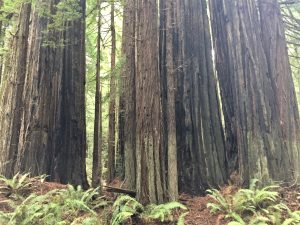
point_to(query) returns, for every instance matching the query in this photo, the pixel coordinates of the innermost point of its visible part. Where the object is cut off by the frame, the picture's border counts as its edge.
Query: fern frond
(181, 219)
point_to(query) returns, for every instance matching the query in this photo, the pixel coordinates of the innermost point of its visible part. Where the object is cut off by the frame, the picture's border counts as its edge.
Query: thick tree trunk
(186, 58)
(275, 47)
(203, 133)
(149, 156)
(11, 94)
(257, 147)
(128, 95)
(51, 137)
(112, 102)
(177, 123)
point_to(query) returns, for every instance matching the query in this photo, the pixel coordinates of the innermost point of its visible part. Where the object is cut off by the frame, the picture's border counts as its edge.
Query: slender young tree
(97, 151)
(170, 73)
(112, 101)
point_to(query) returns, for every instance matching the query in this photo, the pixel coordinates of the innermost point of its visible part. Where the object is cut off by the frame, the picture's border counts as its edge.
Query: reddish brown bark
(112, 102)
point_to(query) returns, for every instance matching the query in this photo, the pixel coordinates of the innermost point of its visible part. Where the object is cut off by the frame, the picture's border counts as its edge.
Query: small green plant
(126, 207)
(56, 207)
(293, 219)
(245, 200)
(255, 220)
(17, 185)
(253, 206)
(163, 212)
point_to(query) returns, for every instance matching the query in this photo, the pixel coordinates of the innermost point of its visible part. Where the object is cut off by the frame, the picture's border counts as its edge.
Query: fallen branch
(120, 190)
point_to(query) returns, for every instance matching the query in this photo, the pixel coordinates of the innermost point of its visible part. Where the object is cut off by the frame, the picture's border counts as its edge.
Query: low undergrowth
(128, 209)
(75, 206)
(67, 206)
(253, 206)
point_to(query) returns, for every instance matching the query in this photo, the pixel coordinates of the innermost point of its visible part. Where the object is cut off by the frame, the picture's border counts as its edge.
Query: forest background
(111, 64)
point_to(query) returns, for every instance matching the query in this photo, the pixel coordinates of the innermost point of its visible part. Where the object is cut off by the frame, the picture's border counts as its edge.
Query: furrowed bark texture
(201, 147)
(150, 179)
(254, 131)
(128, 95)
(112, 103)
(172, 118)
(51, 138)
(97, 148)
(11, 94)
(275, 47)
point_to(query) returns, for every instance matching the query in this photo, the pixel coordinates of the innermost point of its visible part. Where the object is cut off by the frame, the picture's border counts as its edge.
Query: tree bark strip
(275, 47)
(253, 128)
(97, 151)
(51, 137)
(112, 102)
(11, 99)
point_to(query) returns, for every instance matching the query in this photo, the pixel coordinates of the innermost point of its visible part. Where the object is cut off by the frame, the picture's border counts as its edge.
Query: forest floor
(198, 214)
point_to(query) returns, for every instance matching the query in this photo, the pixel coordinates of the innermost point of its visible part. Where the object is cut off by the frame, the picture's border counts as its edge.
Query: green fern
(294, 218)
(56, 207)
(17, 185)
(222, 205)
(253, 206)
(181, 219)
(124, 208)
(255, 220)
(163, 212)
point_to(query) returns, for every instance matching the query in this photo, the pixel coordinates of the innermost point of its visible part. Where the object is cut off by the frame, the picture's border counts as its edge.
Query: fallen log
(120, 190)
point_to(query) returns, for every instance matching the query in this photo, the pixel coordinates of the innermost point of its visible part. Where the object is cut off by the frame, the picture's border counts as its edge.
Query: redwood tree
(127, 129)
(275, 47)
(50, 136)
(98, 139)
(172, 122)
(259, 145)
(112, 101)
(11, 92)
(200, 140)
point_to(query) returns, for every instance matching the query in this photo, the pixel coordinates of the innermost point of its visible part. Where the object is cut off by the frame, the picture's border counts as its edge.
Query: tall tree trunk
(190, 96)
(51, 137)
(11, 99)
(73, 129)
(177, 120)
(128, 94)
(275, 47)
(112, 101)
(97, 152)
(149, 155)
(170, 73)
(201, 131)
(257, 148)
